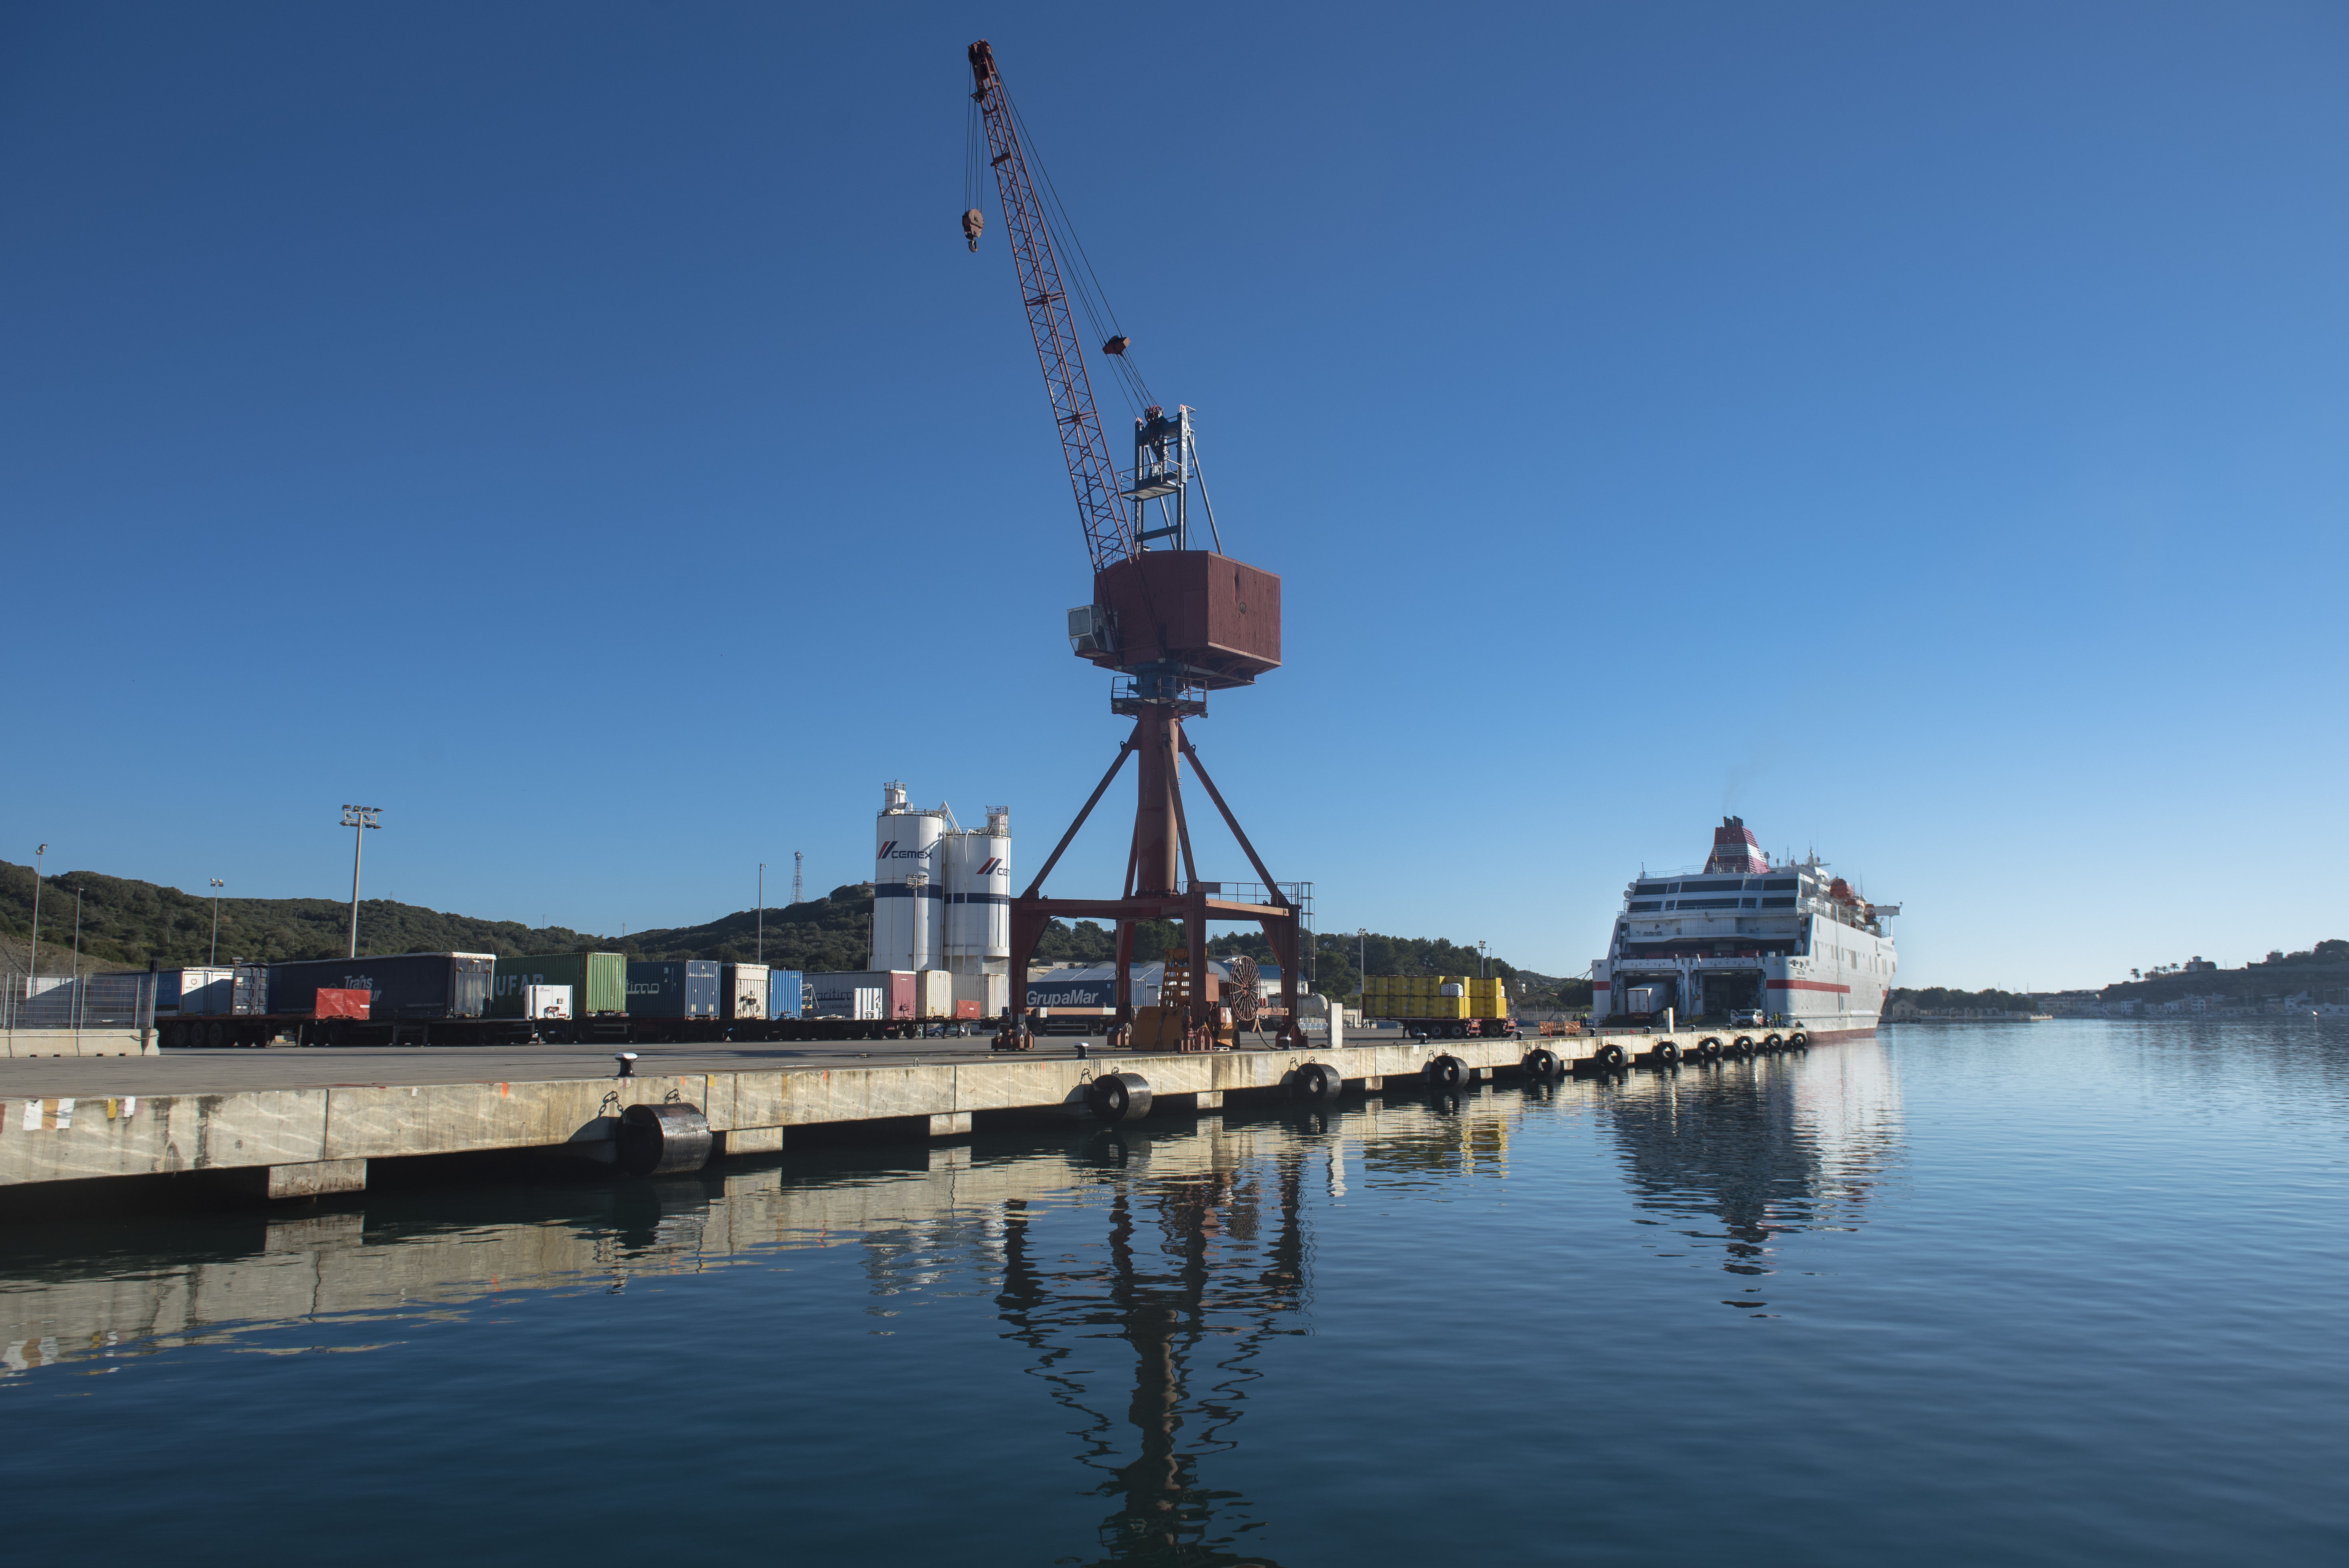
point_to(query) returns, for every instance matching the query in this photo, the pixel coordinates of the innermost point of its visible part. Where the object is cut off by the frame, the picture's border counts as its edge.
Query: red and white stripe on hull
(1837, 1036)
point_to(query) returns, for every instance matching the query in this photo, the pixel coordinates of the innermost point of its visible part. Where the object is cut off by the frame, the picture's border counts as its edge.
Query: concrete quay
(291, 1123)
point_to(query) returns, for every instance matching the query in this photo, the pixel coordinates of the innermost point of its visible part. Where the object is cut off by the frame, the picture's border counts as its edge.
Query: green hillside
(820, 936)
(124, 922)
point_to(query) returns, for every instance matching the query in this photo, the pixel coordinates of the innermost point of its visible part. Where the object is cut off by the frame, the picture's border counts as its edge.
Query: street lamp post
(33, 954)
(763, 911)
(358, 818)
(1481, 948)
(217, 885)
(1361, 957)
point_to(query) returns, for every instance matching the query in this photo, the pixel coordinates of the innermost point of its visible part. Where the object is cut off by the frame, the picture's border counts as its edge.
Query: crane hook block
(972, 222)
(1117, 344)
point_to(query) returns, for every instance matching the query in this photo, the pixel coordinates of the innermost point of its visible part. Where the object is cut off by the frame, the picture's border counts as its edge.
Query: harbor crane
(1170, 622)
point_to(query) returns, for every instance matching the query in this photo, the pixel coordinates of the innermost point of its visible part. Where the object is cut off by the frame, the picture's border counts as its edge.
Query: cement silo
(908, 886)
(978, 894)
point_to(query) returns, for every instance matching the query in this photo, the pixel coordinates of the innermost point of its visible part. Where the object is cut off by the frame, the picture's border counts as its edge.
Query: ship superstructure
(1790, 942)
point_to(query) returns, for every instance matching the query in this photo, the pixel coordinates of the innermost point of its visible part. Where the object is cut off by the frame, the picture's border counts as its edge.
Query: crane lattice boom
(1100, 511)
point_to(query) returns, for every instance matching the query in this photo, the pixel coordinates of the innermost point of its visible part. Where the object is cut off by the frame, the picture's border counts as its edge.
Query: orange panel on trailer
(334, 1002)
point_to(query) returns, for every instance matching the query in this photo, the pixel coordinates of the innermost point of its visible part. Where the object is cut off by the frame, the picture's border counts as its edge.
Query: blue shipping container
(673, 988)
(785, 990)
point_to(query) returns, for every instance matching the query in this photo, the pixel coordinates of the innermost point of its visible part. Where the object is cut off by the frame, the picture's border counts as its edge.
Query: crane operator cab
(1176, 619)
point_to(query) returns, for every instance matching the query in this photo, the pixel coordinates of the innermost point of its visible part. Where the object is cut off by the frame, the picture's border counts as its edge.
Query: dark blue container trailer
(412, 998)
(673, 998)
(419, 987)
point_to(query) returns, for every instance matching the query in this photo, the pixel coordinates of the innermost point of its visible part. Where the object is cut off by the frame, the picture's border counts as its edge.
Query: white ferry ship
(1789, 942)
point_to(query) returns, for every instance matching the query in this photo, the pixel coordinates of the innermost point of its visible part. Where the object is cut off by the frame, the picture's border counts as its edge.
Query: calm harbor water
(2057, 1293)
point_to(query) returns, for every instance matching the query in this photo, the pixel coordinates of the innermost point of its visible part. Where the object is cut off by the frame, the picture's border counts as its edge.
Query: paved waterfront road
(226, 1071)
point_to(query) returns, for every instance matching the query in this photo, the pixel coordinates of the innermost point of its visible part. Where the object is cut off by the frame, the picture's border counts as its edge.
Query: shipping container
(934, 994)
(742, 991)
(399, 986)
(785, 994)
(546, 1003)
(833, 991)
(598, 982)
(990, 994)
(673, 988)
(194, 992)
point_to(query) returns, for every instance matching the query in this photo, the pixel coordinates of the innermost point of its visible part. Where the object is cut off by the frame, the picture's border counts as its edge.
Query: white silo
(907, 885)
(978, 894)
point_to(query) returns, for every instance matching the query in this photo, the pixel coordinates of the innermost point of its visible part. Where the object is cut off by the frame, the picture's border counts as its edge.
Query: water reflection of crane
(1783, 1146)
(1194, 1288)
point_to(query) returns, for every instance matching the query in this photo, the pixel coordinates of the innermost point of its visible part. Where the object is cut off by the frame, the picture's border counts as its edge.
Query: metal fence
(74, 1003)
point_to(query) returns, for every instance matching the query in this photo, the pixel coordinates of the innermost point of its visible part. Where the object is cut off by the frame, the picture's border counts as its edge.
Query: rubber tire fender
(1708, 1049)
(1668, 1052)
(1540, 1063)
(1115, 1098)
(1447, 1073)
(1317, 1083)
(1798, 1041)
(1609, 1057)
(663, 1139)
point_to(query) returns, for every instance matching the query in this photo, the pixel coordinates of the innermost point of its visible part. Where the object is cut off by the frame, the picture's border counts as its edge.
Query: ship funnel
(1735, 851)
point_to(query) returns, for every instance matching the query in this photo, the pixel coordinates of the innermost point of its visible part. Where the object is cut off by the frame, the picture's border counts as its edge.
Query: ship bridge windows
(1777, 903)
(1707, 903)
(1645, 888)
(1779, 884)
(1648, 908)
(1731, 885)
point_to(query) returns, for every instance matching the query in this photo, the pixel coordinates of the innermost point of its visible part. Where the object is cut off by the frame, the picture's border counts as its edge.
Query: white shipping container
(546, 1002)
(991, 991)
(934, 994)
(851, 994)
(203, 991)
(743, 991)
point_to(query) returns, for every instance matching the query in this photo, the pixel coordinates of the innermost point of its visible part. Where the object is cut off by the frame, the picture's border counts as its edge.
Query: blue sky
(581, 432)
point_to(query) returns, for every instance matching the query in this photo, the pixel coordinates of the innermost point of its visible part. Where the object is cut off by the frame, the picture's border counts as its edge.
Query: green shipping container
(598, 982)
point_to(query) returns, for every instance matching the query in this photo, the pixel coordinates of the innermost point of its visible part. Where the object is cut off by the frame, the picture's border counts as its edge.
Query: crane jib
(1092, 475)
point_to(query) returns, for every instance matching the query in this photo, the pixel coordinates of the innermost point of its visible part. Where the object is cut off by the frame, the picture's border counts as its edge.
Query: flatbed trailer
(1449, 1028)
(255, 1029)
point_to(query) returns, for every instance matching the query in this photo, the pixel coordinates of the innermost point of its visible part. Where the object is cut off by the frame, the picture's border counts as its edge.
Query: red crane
(1172, 623)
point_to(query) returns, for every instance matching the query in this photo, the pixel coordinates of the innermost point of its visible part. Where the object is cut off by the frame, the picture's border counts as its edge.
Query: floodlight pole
(33, 954)
(358, 818)
(763, 911)
(217, 885)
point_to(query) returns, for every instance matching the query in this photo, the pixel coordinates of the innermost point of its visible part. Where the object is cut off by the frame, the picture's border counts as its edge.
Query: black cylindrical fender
(1119, 1097)
(663, 1139)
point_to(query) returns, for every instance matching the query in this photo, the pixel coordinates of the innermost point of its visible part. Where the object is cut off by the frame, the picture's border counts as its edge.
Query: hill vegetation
(125, 922)
(2323, 967)
(1938, 998)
